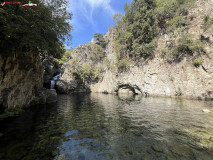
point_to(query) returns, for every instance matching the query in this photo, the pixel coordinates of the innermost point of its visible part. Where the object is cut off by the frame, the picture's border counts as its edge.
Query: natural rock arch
(133, 88)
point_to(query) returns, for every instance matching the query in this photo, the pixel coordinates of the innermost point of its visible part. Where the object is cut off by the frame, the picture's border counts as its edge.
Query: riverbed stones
(137, 132)
(157, 148)
(145, 157)
(182, 151)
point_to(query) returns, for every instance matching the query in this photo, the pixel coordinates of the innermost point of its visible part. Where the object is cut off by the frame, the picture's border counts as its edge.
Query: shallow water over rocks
(98, 126)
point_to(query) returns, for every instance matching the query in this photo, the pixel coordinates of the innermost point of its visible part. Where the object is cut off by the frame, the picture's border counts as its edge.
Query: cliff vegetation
(157, 47)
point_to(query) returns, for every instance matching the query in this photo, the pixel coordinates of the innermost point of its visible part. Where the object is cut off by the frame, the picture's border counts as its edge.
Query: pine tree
(142, 27)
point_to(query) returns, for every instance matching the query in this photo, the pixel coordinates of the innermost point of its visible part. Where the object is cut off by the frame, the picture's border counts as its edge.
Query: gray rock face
(21, 79)
(21, 82)
(51, 68)
(62, 87)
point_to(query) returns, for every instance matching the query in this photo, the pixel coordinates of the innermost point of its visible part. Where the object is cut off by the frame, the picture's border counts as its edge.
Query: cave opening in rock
(128, 89)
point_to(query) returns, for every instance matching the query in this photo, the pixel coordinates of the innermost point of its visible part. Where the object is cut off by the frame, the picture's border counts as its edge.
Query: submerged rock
(1, 134)
(157, 148)
(51, 96)
(182, 151)
(145, 157)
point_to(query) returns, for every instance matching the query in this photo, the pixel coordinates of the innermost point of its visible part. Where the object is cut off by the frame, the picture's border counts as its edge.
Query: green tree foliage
(167, 10)
(100, 40)
(177, 22)
(86, 72)
(186, 46)
(197, 62)
(120, 42)
(137, 30)
(117, 17)
(64, 58)
(97, 53)
(122, 65)
(24, 29)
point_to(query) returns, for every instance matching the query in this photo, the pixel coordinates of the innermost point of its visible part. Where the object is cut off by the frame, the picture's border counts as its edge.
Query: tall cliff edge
(155, 75)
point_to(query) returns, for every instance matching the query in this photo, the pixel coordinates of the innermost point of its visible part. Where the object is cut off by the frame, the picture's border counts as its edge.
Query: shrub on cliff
(197, 62)
(100, 40)
(97, 53)
(85, 72)
(122, 65)
(35, 29)
(172, 9)
(185, 46)
(188, 46)
(64, 58)
(177, 22)
(208, 22)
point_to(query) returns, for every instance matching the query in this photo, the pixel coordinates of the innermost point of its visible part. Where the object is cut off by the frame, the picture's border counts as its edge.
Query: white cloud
(83, 11)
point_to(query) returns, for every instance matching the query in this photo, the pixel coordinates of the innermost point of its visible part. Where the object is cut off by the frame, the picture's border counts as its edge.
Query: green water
(102, 127)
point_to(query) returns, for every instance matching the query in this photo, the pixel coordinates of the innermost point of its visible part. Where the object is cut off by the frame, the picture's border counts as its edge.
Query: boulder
(62, 87)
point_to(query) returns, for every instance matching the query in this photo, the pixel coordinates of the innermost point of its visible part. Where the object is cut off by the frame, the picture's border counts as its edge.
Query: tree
(141, 28)
(26, 29)
(117, 17)
(100, 40)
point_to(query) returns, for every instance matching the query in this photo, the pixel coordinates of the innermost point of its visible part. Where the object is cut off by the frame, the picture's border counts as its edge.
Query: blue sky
(92, 16)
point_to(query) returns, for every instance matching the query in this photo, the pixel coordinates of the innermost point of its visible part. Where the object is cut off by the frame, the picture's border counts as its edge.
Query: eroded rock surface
(21, 81)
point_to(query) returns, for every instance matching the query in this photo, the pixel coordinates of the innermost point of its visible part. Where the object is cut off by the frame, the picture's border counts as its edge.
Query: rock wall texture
(156, 76)
(21, 81)
(50, 69)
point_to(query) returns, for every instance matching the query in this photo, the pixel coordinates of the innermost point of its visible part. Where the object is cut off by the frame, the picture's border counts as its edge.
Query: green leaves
(86, 73)
(25, 29)
(97, 53)
(137, 29)
(117, 17)
(100, 40)
(186, 46)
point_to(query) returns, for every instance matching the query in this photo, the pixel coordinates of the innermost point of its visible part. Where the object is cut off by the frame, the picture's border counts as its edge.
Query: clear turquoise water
(97, 126)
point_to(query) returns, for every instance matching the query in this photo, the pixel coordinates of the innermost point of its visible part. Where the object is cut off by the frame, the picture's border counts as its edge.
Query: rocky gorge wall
(154, 76)
(21, 81)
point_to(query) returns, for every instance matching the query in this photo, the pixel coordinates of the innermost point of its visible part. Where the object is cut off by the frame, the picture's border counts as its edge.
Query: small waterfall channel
(54, 80)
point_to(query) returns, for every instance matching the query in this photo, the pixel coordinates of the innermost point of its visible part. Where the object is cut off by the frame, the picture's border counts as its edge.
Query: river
(102, 127)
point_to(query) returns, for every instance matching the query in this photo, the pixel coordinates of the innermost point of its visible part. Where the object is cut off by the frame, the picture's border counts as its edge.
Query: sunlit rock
(206, 110)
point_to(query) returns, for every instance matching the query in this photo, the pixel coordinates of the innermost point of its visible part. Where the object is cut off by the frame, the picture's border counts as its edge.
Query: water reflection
(98, 126)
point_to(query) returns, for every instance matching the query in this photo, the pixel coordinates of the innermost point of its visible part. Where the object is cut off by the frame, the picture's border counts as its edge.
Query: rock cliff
(21, 81)
(154, 76)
